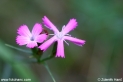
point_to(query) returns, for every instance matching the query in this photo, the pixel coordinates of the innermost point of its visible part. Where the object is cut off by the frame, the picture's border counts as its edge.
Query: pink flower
(30, 38)
(60, 37)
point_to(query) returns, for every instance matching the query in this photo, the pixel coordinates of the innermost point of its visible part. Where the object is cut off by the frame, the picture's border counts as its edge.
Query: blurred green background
(100, 23)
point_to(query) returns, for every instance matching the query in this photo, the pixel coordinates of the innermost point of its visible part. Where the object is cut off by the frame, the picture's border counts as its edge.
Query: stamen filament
(51, 34)
(68, 34)
(66, 42)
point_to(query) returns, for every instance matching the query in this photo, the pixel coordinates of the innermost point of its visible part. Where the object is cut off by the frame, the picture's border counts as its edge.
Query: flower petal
(49, 24)
(37, 29)
(75, 40)
(46, 44)
(60, 49)
(41, 38)
(24, 31)
(22, 40)
(31, 44)
(70, 26)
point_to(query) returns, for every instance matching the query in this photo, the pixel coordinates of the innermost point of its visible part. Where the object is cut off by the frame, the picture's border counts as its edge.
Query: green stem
(45, 59)
(46, 66)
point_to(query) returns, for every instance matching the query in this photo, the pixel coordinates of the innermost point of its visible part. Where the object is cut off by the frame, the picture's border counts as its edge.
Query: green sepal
(54, 49)
(37, 53)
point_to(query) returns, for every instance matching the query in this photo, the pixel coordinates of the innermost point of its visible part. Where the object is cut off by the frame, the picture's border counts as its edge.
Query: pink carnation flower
(30, 38)
(60, 37)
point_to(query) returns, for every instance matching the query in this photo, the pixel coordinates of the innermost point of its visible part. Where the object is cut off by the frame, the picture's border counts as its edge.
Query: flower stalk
(46, 66)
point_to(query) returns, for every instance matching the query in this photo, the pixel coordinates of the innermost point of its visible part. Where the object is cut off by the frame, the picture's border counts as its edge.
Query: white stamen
(68, 34)
(51, 34)
(66, 42)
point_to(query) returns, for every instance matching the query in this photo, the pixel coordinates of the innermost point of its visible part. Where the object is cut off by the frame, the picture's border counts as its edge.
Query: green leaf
(19, 49)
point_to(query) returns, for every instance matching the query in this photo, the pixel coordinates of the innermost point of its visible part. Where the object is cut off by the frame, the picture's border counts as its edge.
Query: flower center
(59, 35)
(32, 38)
